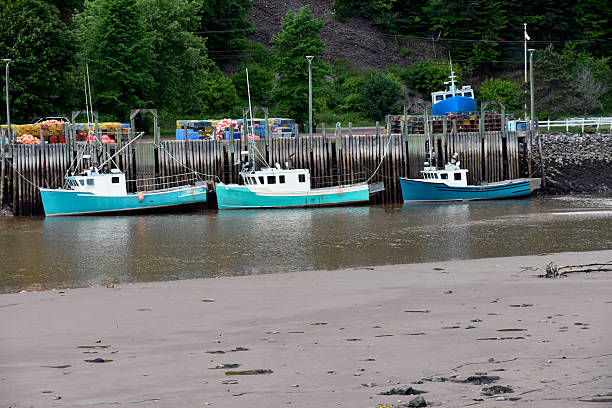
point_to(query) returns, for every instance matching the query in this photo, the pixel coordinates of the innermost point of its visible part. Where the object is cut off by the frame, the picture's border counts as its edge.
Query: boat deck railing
(338, 180)
(171, 182)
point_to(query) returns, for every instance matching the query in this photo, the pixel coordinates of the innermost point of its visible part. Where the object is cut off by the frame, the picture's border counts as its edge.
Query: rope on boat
(160, 146)
(21, 175)
(382, 158)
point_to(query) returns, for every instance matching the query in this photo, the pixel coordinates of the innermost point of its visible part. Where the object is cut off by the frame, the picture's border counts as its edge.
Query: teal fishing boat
(277, 187)
(285, 188)
(95, 193)
(450, 184)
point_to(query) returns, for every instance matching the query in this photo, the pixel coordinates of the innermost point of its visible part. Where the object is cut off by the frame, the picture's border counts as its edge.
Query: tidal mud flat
(486, 332)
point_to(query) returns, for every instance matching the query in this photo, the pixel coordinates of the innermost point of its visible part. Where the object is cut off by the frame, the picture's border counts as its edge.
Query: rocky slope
(355, 40)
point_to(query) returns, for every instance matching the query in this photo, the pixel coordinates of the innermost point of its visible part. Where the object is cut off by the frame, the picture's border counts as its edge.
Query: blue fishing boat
(285, 188)
(453, 100)
(450, 184)
(94, 193)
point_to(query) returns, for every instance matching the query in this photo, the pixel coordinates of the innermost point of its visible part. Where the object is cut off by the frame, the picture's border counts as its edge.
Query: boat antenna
(90, 101)
(251, 141)
(452, 75)
(86, 101)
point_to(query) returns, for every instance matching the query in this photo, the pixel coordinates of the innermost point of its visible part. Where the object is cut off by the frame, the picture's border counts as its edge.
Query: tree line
(187, 58)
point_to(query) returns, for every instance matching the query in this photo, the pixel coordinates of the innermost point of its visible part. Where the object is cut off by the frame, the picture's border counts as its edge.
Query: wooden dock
(332, 160)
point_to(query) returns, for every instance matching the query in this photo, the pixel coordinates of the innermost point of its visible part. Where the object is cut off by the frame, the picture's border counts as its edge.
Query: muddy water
(43, 253)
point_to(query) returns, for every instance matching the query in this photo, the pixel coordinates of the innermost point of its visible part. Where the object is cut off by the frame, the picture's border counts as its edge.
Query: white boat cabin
(465, 91)
(277, 179)
(451, 175)
(90, 181)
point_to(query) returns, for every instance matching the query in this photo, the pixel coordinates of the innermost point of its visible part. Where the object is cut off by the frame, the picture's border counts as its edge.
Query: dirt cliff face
(355, 40)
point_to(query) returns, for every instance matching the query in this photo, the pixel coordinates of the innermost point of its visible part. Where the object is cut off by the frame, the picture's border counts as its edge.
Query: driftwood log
(555, 271)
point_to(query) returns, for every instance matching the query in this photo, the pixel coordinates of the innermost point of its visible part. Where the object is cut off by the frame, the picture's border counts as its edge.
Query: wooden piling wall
(334, 160)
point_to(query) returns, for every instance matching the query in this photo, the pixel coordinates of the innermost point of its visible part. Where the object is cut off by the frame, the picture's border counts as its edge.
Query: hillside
(355, 40)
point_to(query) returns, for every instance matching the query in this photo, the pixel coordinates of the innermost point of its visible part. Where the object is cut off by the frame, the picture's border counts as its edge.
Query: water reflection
(84, 251)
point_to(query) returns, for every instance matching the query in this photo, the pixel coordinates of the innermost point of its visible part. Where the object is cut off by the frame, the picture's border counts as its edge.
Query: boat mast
(251, 140)
(452, 75)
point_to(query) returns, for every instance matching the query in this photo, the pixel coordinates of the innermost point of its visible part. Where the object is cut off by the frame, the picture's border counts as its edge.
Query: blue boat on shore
(95, 193)
(450, 184)
(453, 100)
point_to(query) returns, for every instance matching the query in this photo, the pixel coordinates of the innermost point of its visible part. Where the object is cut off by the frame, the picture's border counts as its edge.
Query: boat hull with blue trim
(454, 104)
(422, 190)
(243, 197)
(69, 202)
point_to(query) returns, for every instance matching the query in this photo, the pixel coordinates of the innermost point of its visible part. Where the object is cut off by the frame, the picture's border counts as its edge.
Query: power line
(412, 37)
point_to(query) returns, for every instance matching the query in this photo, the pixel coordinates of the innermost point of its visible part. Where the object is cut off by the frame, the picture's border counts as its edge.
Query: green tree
(478, 20)
(261, 82)
(429, 76)
(180, 64)
(367, 8)
(118, 50)
(218, 98)
(501, 90)
(352, 89)
(381, 94)
(41, 48)
(223, 23)
(552, 78)
(300, 36)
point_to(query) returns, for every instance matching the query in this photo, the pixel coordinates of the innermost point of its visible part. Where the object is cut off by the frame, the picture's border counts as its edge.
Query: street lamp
(532, 109)
(531, 50)
(309, 58)
(8, 111)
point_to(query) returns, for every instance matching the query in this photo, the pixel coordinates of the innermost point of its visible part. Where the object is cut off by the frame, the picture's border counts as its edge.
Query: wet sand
(320, 339)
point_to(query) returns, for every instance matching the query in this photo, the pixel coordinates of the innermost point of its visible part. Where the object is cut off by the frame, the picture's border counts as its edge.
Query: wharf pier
(333, 159)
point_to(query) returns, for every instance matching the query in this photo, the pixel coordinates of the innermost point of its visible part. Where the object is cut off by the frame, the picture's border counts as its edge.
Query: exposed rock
(576, 163)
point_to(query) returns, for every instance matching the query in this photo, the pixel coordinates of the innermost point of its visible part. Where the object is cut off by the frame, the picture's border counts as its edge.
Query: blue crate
(191, 134)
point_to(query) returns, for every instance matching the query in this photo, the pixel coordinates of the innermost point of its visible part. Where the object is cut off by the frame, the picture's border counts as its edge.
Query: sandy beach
(319, 339)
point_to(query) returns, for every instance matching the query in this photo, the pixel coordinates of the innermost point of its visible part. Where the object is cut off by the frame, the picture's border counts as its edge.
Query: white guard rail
(577, 122)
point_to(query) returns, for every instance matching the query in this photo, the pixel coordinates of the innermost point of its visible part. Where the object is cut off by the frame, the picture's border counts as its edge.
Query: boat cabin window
(457, 176)
(82, 182)
(439, 97)
(115, 180)
(467, 94)
(261, 180)
(444, 176)
(435, 175)
(271, 180)
(252, 180)
(281, 179)
(302, 178)
(90, 182)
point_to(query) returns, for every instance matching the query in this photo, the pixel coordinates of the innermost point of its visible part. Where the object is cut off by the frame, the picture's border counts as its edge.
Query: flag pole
(525, 36)
(525, 42)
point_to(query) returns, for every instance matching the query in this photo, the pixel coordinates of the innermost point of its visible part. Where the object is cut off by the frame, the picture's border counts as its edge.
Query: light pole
(531, 50)
(532, 109)
(8, 111)
(309, 58)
